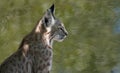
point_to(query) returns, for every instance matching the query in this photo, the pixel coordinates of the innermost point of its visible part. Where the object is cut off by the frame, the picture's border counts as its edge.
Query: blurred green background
(93, 43)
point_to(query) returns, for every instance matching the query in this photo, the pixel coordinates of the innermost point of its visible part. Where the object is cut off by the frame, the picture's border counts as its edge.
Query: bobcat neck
(42, 34)
(38, 39)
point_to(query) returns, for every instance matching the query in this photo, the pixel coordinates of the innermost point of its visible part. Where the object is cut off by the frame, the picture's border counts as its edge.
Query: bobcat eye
(60, 28)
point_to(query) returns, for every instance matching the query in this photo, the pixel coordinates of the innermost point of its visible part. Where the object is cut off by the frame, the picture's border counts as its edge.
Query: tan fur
(38, 27)
(25, 49)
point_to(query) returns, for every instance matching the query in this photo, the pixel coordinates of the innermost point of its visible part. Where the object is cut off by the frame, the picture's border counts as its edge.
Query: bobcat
(34, 54)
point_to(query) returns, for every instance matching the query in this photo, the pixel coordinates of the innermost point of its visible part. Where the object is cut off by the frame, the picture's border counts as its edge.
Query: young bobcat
(35, 52)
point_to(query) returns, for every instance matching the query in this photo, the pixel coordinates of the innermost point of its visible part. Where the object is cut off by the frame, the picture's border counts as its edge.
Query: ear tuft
(52, 8)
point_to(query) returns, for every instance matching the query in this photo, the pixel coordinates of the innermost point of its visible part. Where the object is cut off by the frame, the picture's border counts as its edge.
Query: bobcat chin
(34, 54)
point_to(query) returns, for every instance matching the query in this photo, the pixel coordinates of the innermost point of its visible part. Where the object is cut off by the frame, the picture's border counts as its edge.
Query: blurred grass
(91, 46)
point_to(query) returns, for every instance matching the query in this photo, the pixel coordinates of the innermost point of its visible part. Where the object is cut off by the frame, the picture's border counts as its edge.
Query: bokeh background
(93, 43)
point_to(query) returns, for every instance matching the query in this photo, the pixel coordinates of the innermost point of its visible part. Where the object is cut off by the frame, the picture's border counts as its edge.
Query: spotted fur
(35, 51)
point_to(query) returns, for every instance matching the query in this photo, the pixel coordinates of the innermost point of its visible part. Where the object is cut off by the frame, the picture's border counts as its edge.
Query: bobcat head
(51, 27)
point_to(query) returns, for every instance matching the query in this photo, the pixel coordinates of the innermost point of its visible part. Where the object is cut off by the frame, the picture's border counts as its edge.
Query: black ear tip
(52, 8)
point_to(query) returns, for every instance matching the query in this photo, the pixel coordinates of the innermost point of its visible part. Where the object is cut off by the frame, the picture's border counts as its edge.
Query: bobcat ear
(52, 9)
(48, 19)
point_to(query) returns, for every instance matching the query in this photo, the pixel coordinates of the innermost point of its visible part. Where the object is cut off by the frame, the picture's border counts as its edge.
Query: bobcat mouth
(59, 38)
